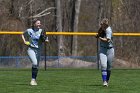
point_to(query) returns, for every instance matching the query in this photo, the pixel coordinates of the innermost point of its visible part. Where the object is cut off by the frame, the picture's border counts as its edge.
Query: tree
(59, 28)
(75, 26)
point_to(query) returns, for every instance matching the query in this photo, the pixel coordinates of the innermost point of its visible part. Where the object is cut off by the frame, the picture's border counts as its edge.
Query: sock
(34, 72)
(104, 75)
(108, 74)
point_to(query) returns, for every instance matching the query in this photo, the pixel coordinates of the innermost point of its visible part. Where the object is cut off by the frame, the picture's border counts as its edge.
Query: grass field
(69, 81)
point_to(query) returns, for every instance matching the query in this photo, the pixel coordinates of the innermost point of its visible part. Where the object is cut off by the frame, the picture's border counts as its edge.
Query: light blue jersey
(34, 37)
(108, 36)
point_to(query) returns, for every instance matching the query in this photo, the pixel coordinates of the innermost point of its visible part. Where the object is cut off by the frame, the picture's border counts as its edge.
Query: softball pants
(106, 58)
(34, 55)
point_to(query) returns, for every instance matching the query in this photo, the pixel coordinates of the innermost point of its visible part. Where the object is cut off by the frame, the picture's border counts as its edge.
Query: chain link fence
(51, 62)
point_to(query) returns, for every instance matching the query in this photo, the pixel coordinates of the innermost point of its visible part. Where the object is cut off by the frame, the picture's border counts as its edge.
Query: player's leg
(37, 52)
(32, 56)
(110, 56)
(38, 56)
(103, 60)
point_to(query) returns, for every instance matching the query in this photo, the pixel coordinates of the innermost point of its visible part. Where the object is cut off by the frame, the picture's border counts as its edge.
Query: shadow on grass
(22, 84)
(96, 85)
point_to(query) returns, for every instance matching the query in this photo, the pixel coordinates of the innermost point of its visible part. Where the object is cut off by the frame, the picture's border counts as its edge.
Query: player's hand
(27, 43)
(47, 40)
(97, 36)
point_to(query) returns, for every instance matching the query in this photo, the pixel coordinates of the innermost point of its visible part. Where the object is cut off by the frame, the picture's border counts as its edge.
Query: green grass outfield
(69, 81)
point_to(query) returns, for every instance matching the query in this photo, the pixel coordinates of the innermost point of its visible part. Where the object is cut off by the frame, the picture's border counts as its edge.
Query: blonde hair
(105, 21)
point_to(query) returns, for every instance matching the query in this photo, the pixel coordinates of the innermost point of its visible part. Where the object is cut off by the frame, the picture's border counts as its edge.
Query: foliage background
(124, 16)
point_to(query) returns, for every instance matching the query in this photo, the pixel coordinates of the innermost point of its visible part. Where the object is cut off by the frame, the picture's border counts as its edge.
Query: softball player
(106, 51)
(33, 38)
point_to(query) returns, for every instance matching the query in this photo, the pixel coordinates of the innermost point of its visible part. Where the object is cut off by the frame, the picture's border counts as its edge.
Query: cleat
(105, 84)
(33, 83)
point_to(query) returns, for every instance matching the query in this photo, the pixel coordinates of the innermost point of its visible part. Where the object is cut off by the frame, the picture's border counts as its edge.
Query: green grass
(69, 81)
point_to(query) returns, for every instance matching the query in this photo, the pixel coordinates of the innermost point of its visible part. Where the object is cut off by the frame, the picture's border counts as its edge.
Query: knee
(109, 68)
(34, 66)
(104, 67)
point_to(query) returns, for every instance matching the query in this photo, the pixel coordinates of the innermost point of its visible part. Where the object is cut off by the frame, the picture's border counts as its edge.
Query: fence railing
(72, 33)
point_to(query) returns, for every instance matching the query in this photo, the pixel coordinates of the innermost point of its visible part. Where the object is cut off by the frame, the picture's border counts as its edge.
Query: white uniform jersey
(108, 36)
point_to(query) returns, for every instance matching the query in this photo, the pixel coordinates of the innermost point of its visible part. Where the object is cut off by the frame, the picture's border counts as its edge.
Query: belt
(107, 47)
(33, 47)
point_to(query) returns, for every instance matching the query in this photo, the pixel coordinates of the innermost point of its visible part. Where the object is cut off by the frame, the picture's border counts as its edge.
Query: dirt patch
(73, 63)
(68, 63)
(119, 63)
(76, 63)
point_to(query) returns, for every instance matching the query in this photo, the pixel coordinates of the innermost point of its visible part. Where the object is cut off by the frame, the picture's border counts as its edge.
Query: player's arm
(98, 33)
(108, 36)
(24, 40)
(104, 39)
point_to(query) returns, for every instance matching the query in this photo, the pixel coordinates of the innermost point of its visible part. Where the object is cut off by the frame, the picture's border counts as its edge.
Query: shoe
(33, 82)
(105, 84)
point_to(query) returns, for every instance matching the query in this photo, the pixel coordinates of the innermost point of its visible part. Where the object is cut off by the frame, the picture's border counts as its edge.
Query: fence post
(45, 66)
(17, 62)
(98, 63)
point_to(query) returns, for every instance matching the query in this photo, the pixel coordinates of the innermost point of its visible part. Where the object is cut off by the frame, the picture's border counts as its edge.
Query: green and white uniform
(36, 38)
(106, 54)
(107, 51)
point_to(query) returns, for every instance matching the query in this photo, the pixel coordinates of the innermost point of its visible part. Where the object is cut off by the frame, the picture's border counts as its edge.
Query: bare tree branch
(35, 16)
(43, 13)
(30, 2)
